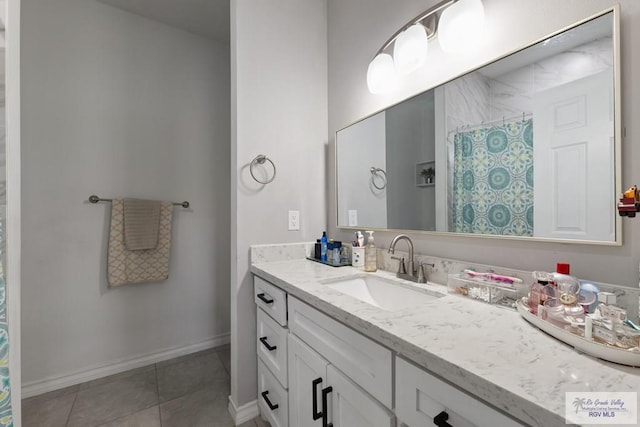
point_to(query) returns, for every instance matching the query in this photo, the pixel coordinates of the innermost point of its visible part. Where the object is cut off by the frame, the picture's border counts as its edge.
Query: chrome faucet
(404, 273)
(410, 274)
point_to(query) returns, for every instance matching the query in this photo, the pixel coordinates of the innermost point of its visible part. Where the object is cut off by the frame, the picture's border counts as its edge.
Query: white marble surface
(489, 351)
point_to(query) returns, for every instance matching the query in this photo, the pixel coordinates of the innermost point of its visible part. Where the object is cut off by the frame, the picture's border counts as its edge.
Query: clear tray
(603, 351)
(486, 290)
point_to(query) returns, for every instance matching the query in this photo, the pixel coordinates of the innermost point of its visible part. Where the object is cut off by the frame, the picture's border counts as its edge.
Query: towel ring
(260, 160)
(380, 173)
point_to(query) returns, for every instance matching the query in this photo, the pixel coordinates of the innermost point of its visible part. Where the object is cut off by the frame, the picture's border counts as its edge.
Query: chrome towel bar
(95, 199)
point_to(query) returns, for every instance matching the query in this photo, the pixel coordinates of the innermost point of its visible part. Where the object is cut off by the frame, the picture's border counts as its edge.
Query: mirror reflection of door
(574, 177)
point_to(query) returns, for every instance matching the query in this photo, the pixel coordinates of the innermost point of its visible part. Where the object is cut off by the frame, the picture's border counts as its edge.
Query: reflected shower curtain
(493, 180)
(6, 417)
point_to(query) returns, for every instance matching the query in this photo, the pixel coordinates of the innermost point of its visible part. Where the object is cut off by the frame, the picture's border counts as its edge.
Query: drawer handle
(325, 412)
(265, 299)
(441, 420)
(316, 415)
(266, 399)
(264, 342)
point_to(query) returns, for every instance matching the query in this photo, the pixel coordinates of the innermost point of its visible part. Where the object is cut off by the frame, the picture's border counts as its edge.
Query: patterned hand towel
(149, 265)
(141, 224)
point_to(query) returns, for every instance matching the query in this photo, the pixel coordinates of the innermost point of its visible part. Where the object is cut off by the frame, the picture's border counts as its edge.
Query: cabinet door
(352, 407)
(366, 362)
(305, 368)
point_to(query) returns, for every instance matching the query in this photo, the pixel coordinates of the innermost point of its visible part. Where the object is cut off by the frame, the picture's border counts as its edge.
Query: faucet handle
(401, 267)
(422, 277)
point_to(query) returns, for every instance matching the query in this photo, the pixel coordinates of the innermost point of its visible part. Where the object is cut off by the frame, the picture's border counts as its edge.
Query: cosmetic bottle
(539, 291)
(370, 258)
(323, 246)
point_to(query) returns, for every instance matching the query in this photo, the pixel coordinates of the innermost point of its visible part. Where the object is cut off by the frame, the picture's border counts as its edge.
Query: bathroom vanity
(443, 360)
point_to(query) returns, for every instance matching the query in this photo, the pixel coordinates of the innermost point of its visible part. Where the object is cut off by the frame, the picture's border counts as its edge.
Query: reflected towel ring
(381, 173)
(261, 159)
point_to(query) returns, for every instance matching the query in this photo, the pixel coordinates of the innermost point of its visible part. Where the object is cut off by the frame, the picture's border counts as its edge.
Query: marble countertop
(491, 352)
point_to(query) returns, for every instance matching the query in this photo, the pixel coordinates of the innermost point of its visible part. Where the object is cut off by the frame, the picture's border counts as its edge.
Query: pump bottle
(370, 258)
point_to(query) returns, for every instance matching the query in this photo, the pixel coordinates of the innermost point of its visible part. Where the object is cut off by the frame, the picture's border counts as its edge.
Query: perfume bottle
(539, 291)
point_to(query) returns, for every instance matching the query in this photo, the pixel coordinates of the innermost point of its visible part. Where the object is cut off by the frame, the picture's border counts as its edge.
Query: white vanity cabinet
(314, 371)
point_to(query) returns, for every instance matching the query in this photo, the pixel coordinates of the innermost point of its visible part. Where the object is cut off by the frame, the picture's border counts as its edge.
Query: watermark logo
(601, 408)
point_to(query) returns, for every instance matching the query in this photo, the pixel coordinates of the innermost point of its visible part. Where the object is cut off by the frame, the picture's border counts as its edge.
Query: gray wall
(410, 206)
(279, 108)
(357, 28)
(117, 105)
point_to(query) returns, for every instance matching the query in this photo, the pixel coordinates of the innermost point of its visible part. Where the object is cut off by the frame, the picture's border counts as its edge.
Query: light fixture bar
(431, 26)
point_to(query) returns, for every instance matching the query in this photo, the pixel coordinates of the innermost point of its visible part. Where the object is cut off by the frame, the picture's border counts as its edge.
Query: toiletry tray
(486, 290)
(602, 351)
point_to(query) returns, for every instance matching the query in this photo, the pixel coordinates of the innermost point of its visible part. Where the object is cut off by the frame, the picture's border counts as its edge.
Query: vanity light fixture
(460, 22)
(460, 26)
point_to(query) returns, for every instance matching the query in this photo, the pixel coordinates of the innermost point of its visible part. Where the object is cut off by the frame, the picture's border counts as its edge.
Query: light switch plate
(294, 220)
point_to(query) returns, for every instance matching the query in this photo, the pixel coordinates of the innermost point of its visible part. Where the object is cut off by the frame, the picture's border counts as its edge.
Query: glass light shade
(410, 49)
(381, 74)
(461, 26)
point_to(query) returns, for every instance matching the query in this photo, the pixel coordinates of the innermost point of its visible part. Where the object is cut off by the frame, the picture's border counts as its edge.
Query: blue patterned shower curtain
(493, 180)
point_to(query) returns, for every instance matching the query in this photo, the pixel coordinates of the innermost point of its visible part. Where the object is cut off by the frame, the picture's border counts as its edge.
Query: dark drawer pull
(264, 342)
(316, 415)
(265, 299)
(441, 420)
(325, 411)
(266, 399)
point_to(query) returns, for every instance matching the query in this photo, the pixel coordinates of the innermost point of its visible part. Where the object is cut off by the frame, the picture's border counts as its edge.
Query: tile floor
(189, 391)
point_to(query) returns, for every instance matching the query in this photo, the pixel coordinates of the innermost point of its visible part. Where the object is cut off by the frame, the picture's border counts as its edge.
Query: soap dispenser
(370, 258)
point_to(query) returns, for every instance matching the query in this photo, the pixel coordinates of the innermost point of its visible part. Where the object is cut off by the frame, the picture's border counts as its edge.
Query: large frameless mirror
(526, 147)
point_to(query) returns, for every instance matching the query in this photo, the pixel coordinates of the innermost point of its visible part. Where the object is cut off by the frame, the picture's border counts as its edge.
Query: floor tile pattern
(188, 391)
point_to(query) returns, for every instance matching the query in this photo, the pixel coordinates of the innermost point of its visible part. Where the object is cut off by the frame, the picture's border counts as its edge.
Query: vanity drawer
(420, 397)
(271, 299)
(272, 398)
(363, 360)
(272, 346)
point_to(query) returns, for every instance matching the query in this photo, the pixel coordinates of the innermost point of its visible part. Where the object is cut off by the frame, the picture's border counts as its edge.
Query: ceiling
(208, 18)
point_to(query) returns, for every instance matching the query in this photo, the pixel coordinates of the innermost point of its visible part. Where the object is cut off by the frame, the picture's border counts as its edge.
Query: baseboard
(35, 388)
(244, 413)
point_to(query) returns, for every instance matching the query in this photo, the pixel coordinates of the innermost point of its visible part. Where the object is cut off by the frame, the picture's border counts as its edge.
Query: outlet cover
(294, 220)
(353, 218)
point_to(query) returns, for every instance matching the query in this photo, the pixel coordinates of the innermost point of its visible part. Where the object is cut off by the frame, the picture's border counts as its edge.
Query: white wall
(117, 105)
(357, 28)
(279, 108)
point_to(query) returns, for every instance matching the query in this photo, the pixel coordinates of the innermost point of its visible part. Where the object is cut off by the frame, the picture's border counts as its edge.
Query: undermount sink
(380, 292)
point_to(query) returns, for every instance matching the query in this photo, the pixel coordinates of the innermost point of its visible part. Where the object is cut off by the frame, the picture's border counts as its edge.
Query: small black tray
(341, 264)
